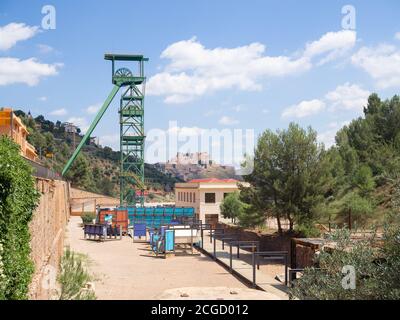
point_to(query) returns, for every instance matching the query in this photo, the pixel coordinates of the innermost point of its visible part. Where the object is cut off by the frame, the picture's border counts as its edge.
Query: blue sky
(213, 64)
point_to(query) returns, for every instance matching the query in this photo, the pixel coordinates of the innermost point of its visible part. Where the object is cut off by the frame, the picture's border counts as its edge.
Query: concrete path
(265, 276)
(127, 270)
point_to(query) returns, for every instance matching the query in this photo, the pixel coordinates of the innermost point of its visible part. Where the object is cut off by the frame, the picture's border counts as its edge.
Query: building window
(226, 194)
(179, 196)
(210, 197)
(184, 197)
(194, 197)
(190, 195)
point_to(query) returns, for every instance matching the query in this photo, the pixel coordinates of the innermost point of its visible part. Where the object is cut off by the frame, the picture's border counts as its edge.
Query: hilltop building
(70, 127)
(188, 166)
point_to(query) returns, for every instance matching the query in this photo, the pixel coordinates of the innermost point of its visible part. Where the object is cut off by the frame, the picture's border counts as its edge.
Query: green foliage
(307, 229)
(376, 270)
(87, 217)
(250, 217)
(290, 177)
(18, 199)
(375, 137)
(363, 180)
(74, 278)
(80, 173)
(353, 209)
(231, 207)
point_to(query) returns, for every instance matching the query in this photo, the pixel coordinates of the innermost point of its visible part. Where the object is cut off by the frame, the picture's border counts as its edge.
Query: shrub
(87, 217)
(308, 230)
(376, 269)
(74, 278)
(18, 199)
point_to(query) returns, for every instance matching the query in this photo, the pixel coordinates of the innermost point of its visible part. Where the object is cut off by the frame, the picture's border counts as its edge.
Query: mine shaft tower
(131, 119)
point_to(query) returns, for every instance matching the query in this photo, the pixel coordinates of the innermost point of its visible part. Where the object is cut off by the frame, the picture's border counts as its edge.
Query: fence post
(202, 237)
(253, 260)
(215, 255)
(286, 269)
(230, 256)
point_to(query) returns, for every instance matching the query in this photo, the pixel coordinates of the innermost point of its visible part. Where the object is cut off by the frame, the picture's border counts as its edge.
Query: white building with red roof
(205, 195)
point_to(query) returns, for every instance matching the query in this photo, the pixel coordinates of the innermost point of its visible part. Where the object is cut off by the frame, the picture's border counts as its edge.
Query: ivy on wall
(18, 199)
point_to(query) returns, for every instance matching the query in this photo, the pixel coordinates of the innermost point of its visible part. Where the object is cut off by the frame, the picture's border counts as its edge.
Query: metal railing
(293, 273)
(253, 245)
(42, 172)
(269, 255)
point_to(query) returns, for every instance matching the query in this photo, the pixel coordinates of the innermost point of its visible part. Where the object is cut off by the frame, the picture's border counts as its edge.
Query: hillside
(96, 169)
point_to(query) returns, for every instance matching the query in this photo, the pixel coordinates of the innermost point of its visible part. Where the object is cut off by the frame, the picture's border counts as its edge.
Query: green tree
(18, 199)
(231, 207)
(289, 176)
(80, 173)
(363, 180)
(354, 209)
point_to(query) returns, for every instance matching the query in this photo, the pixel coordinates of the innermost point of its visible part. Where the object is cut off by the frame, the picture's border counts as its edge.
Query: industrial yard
(186, 152)
(121, 271)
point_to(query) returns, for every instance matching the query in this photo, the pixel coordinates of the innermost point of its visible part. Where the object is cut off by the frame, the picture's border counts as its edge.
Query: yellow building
(205, 196)
(12, 126)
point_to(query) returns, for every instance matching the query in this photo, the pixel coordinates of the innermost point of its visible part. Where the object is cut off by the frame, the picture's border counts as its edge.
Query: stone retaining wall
(47, 230)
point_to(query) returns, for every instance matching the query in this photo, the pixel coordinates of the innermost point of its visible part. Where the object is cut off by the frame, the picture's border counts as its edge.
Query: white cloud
(344, 97)
(265, 111)
(93, 108)
(79, 122)
(304, 109)
(212, 112)
(43, 98)
(29, 71)
(332, 45)
(382, 63)
(397, 36)
(347, 97)
(111, 140)
(328, 137)
(59, 112)
(239, 108)
(44, 48)
(13, 32)
(228, 121)
(194, 70)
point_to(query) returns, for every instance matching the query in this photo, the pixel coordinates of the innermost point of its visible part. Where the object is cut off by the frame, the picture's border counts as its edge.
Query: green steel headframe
(132, 136)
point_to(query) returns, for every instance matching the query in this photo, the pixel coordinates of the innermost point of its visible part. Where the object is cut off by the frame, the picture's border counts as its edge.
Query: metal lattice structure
(131, 115)
(132, 136)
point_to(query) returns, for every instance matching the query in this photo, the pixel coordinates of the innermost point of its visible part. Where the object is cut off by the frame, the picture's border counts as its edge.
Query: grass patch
(74, 278)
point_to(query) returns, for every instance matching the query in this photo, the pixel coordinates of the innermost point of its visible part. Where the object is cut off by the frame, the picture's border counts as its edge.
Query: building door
(212, 219)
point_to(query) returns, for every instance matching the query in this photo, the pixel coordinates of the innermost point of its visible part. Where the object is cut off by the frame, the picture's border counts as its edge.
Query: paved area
(127, 270)
(265, 276)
